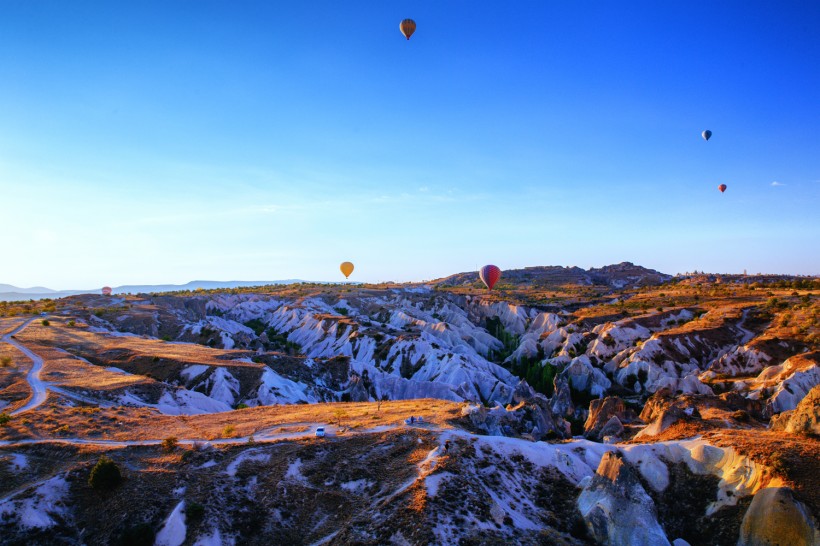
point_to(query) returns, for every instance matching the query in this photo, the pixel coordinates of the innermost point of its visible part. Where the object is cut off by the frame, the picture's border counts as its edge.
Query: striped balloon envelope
(489, 275)
(407, 27)
(106, 291)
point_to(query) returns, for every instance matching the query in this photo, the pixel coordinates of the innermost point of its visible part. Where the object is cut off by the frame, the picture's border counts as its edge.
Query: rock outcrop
(616, 508)
(786, 384)
(663, 410)
(530, 416)
(607, 417)
(775, 518)
(582, 376)
(803, 419)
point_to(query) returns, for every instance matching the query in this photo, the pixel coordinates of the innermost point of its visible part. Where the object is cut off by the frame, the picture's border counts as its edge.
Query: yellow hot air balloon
(347, 269)
(407, 27)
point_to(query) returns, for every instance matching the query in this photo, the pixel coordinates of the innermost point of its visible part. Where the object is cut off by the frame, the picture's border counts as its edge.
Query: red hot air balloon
(489, 275)
(722, 188)
(106, 291)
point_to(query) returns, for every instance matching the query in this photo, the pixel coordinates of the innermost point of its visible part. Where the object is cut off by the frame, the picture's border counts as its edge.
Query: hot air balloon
(106, 291)
(489, 275)
(407, 27)
(347, 269)
(707, 134)
(722, 188)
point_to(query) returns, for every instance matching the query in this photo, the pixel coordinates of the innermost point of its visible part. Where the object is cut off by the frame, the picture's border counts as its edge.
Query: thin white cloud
(776, 183)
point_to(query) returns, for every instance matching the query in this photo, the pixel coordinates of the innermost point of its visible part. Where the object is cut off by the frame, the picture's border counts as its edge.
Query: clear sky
(170, 141)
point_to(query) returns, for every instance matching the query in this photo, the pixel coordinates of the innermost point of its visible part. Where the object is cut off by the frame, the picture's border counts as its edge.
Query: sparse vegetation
(4, 419)
(5, 361)
(339, 414)
(170, 444)
(229, 431)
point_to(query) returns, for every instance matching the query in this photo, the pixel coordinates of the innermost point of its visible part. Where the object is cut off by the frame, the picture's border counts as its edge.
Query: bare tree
(340, 414)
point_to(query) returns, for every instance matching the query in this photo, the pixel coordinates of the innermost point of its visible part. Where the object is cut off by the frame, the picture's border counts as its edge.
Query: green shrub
(5, 361)
(4, 419)
(105, 475)
(45, 322)
(256, 325)
(71, 324)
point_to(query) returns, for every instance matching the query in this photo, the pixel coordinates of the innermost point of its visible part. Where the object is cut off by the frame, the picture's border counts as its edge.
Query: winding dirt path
(39, 391)
(747, 334)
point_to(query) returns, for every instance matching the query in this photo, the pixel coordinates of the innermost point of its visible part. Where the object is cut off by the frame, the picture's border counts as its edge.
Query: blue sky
(171, 141)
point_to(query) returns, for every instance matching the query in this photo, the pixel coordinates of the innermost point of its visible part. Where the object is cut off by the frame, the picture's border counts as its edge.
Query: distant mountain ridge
(33, 290)
(9, 292)
(616, 275)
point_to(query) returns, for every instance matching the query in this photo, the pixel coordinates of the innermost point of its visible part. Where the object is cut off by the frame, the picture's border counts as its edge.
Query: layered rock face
(617, 509)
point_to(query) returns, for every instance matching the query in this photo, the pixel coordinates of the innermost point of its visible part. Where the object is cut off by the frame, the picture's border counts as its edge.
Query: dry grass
(80, 340)
(14, 390)
(125, 423)
(9, 324)
(62, 369)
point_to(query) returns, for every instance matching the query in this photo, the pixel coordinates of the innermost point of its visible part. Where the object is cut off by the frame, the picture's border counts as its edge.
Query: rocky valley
(610, 406)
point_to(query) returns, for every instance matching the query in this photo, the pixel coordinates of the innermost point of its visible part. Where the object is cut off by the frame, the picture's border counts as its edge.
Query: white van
(320, 432)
